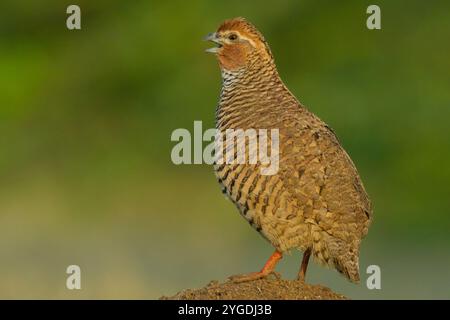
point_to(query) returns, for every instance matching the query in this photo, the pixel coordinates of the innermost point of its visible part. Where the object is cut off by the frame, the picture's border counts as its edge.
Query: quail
(315, 202)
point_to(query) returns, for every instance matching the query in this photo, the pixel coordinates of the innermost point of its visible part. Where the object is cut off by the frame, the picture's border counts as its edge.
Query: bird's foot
(253, 276)
(267, 270)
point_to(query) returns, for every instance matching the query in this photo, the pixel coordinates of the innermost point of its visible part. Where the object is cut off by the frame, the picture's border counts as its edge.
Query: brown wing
(322, 179)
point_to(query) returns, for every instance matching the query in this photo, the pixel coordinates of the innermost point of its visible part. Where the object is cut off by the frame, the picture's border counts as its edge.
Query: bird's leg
(268, 269)
(304, 266)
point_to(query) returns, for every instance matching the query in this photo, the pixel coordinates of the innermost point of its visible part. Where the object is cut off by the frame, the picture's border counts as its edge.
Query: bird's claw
(253, 276)
(277, 275)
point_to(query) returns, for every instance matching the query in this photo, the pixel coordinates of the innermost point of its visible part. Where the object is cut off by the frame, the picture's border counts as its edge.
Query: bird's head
(238, 42)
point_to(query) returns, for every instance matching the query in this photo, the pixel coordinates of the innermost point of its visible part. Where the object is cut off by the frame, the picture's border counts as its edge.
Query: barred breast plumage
(316, 201)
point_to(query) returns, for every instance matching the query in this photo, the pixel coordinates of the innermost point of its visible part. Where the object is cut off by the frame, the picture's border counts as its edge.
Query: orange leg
(305, 260)
(268, 269)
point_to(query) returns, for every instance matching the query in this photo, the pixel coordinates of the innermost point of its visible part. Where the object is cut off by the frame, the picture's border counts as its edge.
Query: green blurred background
(85, 124)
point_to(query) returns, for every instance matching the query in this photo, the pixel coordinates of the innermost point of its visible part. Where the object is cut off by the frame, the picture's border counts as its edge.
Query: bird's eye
(232, 37)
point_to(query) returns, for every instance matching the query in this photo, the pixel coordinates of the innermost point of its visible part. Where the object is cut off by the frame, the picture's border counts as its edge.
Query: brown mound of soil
(263, 289)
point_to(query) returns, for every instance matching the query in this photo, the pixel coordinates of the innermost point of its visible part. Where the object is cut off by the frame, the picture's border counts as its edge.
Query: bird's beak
(213, 38)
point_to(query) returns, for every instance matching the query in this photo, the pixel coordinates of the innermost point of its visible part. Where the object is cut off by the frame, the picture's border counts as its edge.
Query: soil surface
(263, 289)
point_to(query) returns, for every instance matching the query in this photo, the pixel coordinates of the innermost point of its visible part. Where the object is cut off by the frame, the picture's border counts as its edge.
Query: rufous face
(235, 44)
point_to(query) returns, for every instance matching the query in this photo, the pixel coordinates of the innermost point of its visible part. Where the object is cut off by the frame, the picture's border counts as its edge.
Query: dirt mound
(264, 289)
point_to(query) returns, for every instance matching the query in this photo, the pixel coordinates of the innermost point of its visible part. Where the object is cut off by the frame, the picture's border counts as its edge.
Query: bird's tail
(341, 255)
(348, 265)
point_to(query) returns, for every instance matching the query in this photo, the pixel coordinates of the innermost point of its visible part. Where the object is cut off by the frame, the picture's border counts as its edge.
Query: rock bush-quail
(316, 201)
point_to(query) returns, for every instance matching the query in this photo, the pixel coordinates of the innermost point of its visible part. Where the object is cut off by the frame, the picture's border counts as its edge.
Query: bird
(316, 202)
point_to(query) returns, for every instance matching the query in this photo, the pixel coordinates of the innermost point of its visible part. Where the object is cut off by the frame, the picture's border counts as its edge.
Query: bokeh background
(85, 124)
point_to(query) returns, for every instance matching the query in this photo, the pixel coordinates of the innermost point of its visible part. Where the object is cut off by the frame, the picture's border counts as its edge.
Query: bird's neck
(249, 91)
(256, 73)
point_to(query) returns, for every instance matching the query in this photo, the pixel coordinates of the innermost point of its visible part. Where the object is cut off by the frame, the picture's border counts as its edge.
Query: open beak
(213, 38)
